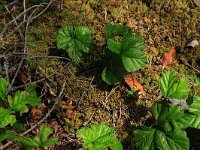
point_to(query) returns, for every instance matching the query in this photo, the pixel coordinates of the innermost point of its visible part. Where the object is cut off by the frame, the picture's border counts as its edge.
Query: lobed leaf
(190, 120)
(75, 42)
(173, 88)
(6, 117)
(195, 106)
(99, 137)
(43, 134)
(114, 46)
(144, 137)
(18, 102)
(147, 138)
(122, 57)
(169, 132)
(166, 112)
(63, 37)
(6, 134)
(27, 142)
(135, 61)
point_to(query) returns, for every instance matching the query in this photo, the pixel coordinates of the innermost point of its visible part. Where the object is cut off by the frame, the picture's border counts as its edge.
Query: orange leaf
(36, 113)
(134, 84)
(167, 58)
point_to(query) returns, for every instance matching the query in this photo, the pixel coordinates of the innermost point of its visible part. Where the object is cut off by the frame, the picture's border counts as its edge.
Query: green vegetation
(98, 137)
(169, 126)
(20, 102)
(124, 54)
(75, 42)
(17, 103)
(173, 88)
(41, 140)
(170, 120)
(129, 64)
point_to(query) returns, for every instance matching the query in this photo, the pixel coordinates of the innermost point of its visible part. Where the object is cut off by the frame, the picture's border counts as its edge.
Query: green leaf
(195, 106)
(122, 57)
(26, 142)
(133, 42)
(6, 118)
(116, 30)
(173, 88)
(135, 61)
(99, 137)
(75, 42)
(168, 132)
(41, 140)
(32, 97)
(165, 112)
(64, 37)
(149, 139)
(3, 88)
(6, 134)
(18, 126)
(143, 137)
(50, 142)
(43, 134)
(132, 56)
(190, 120)
(84, 39)
(114, 71)
(18, 103)
(114, 46)
(176, 140)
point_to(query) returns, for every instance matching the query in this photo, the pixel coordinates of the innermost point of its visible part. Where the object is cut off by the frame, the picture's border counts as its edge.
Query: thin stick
(6, 27)
(20, 32)
(16, 73)
(24, 12)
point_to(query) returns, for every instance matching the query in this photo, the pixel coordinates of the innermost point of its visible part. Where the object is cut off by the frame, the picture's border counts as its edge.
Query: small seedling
(75, 43)
(41, 140)
(123, 54)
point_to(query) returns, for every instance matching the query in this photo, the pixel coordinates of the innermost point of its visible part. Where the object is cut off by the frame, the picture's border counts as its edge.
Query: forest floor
(28, 46)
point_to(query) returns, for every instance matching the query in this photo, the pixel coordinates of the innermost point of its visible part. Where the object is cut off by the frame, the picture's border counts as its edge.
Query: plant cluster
(123, 53)
(171, 120)
(12, 108)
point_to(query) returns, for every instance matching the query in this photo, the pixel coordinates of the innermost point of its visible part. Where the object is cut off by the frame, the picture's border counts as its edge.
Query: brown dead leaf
(167, 58)
(134, 84)
(36, 113)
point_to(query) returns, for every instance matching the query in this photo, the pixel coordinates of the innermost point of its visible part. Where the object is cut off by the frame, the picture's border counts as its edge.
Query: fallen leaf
(167, 58)
(134, 84)
(36, 113)
(193, 43)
